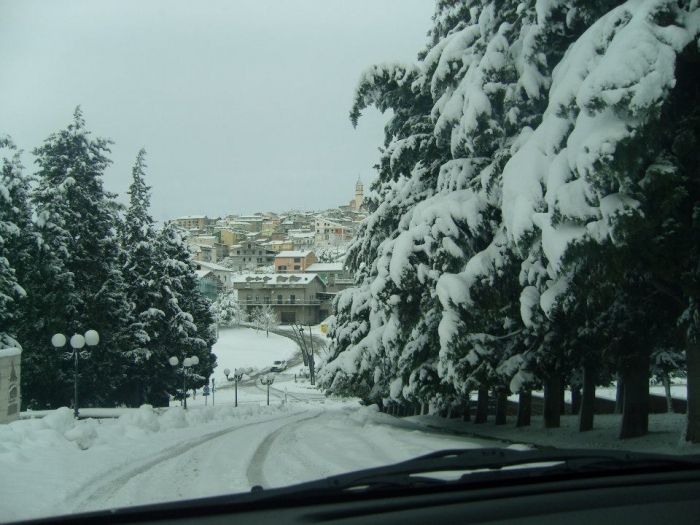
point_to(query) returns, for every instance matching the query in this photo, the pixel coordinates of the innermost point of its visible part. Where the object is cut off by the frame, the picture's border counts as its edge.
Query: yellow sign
(324, 327)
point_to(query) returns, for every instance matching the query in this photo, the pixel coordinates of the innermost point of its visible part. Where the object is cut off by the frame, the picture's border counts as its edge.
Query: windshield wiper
(492, 463)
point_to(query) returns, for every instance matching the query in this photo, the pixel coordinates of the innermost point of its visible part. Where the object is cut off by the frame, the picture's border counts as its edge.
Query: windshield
(259, 243)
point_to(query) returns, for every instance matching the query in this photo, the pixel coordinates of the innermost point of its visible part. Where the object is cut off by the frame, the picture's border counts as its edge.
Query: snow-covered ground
(55, 465)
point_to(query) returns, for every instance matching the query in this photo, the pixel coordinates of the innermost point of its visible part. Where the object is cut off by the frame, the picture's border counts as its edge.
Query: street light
(91, 338)
(186, 364)
(237, 376)
(267, 379)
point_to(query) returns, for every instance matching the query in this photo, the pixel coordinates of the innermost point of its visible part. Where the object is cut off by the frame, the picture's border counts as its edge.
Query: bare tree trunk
(692, 359)
(667, 391)
(585, 421)
(575, 400)
(467, 410)
(501, 406)
(552, 400)
(482, 406)
(524, 409)
(635, 409)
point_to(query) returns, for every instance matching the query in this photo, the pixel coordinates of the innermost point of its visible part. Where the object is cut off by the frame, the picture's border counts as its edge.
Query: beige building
(280, 246)
(231, 237)
(332, 233)
(249, 255)
(190, 222)
(295, 298)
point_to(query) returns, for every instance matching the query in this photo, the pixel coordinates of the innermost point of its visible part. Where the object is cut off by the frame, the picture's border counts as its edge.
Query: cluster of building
(271, 259)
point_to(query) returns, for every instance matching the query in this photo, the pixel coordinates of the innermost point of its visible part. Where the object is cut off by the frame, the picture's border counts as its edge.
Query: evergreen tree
(141, 261)
(78, 285)
(14, 216)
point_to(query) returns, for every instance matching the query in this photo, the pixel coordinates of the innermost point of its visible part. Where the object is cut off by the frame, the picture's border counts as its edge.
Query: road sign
(206, 390)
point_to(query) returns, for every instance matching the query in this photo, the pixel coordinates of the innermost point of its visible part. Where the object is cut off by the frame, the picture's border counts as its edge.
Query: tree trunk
(619, 394)
(635, 408)
(552, 400)
(692, 359)
(425, 409)
(575, 400)
(467, 410)
(524, 409)
(585, 421)
(667, 391)
(501, 406)
(482, 406)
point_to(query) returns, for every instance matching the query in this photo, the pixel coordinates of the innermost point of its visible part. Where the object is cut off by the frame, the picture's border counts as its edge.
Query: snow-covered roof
(191, 217)
(294, 253)
(325, 267)
(275, 279)
(304, 235)
(213, 266)
(202, 273)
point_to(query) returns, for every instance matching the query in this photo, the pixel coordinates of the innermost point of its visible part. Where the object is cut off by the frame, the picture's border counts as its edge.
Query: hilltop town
(291, 261)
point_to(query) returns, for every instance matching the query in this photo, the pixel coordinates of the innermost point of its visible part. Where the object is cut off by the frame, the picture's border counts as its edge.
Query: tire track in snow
(255, 467)
(103, 486)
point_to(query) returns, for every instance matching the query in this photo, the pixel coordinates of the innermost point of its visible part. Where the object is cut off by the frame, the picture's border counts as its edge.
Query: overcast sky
(242, 106)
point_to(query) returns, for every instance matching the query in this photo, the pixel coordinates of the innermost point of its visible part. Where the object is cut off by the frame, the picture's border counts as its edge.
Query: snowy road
(295, 447)
(147, 455)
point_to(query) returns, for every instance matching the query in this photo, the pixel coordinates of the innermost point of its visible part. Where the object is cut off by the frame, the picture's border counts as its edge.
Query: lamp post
(237, 376)
(267, 379)
(91, 338)
(186, 364)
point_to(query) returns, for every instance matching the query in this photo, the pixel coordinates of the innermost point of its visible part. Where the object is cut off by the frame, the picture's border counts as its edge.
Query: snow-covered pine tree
(141, 263)
(227, 311)
(14, 216)
(81, 287)
(594, 160)
(189, 327)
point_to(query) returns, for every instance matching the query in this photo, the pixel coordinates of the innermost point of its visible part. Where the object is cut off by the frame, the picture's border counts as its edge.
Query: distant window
(249, 246)
(292, 299)
(238, 252)
(297, 259)
(257, 298)
(279, 299)
(249, 298)
(297, 267)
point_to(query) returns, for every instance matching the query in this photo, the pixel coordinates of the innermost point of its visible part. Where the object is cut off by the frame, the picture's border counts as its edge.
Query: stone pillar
(10, 362)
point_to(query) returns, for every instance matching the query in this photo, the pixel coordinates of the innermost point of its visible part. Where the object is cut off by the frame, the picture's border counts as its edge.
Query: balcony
(285, 302)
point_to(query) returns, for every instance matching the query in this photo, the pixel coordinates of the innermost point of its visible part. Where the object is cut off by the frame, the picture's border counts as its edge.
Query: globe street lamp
(237, 376)
(91, 338)
(267, 379)
(186, 364)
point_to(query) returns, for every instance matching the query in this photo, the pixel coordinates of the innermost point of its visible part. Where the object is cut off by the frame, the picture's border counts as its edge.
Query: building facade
(295, 298)
(294, 261)
(249, 255)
